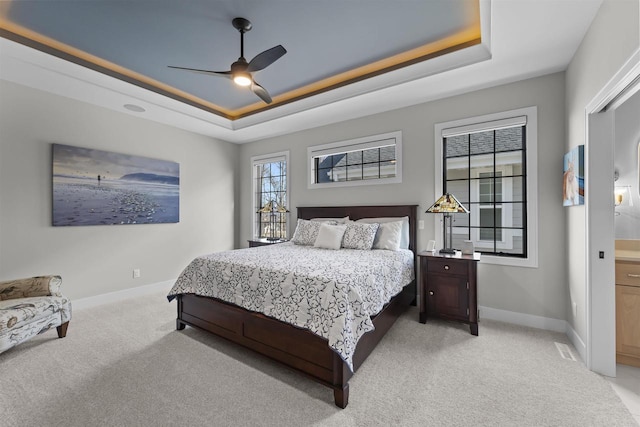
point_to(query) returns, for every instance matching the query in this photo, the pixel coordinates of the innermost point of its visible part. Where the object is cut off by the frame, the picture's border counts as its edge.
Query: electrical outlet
(421, 225)
(136, 273)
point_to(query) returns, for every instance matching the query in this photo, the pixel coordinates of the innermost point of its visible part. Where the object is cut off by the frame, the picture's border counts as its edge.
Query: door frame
(600, 273)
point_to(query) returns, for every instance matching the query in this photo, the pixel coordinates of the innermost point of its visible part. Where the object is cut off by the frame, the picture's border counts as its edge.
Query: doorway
(600, 257)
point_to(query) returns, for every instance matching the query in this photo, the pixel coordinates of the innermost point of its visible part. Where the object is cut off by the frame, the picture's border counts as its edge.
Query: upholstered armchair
(31, 306)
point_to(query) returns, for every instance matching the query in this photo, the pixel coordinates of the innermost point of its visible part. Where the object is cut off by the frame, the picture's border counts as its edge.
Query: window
(489, 164)
(270, 185)
(374, 159)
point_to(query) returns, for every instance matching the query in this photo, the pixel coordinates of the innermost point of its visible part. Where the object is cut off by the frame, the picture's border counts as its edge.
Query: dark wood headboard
(358, 212)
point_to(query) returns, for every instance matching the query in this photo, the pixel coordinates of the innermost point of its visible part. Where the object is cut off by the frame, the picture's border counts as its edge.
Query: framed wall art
(95, 187)
(573, 177)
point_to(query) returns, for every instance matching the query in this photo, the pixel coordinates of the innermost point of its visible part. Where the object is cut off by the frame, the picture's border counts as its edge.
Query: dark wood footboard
(296, 348)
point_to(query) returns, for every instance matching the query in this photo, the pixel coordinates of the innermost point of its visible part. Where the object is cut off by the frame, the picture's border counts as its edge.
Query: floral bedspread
(331, 293)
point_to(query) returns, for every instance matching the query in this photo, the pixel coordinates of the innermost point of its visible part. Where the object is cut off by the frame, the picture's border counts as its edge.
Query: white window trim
(267, 158)
(495, 121)
(357, 144)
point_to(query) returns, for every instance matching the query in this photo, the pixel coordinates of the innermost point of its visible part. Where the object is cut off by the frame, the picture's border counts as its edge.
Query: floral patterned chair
(29, 307)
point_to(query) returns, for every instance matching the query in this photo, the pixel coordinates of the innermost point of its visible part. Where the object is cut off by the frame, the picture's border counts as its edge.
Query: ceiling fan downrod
(243, 25)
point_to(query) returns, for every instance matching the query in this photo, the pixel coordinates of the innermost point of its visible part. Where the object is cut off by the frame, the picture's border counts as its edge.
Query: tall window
(369, 160)
(270, 187)
(486, 171)
(486, 165)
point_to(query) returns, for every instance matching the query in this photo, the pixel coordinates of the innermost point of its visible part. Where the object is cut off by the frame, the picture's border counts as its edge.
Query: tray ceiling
(114, 54)
(329, 44)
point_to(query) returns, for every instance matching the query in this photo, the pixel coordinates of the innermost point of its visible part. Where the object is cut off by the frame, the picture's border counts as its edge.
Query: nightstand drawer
(254, 243)
(447, 266)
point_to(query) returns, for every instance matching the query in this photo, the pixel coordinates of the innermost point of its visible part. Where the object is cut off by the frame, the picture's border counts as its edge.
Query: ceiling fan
(241, 70)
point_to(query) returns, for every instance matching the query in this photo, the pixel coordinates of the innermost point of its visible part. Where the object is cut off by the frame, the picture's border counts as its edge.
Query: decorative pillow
(306, 232)
(388, 236)
(329, 236)
(404, 238)
(359, 236)
(336, 220)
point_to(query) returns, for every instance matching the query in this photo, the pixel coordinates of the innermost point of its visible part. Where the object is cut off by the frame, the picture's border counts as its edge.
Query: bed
(327, 360)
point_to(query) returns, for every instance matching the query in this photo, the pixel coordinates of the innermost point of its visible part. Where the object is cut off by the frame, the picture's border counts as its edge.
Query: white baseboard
(530, 320)
(522, 319)
(97, 300)
(539, 322)
(577, 342)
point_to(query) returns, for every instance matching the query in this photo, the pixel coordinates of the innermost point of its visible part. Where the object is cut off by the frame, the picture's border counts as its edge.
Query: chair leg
(62, 330)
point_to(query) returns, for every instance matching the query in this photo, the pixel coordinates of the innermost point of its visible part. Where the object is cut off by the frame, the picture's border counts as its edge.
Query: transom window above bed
(375, 159)
(271, 195)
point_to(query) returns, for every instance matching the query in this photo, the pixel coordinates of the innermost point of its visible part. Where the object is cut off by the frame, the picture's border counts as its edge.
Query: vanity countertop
(627, 255)
(628, 250)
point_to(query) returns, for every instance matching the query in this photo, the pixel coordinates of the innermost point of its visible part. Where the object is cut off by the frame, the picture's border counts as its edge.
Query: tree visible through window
(270, 187)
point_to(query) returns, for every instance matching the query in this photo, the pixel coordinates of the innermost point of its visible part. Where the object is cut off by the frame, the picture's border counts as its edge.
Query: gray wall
(95, 260)
(627, 223)
(537, 291)
(612, 38)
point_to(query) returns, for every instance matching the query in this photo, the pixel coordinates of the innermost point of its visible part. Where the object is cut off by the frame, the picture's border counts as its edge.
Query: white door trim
(600, 300)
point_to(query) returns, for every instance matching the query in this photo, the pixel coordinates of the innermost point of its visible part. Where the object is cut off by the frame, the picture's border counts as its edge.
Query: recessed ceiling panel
(329, 43)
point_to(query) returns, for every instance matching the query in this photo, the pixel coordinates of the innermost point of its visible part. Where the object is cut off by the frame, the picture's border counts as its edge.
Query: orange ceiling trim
(463, 39)
(22, 35)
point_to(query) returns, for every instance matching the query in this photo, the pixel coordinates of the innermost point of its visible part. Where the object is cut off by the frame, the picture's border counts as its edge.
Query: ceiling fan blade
(261, 92)
(266, 58)
(207, 72)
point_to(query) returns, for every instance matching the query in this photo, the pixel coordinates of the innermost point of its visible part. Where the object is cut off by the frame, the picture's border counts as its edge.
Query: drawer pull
(633, 275)
(446, 267)
(431, 293)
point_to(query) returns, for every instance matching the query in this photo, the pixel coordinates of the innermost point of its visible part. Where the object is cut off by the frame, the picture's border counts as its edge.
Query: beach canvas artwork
(94, 187)
(573, 177)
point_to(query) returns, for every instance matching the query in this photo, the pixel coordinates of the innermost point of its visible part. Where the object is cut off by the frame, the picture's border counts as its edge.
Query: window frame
(262, 159)
(351, 145)
(491, 122)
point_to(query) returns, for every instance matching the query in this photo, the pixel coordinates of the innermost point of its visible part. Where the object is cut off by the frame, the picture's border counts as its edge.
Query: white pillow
(404, 238)
(336, 220)
(306, 232)
(329, 236)
(388, 236)
(359, 236)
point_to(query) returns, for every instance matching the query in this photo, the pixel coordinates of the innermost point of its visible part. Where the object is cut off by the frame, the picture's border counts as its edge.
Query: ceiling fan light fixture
(242, 79)
(241, 70)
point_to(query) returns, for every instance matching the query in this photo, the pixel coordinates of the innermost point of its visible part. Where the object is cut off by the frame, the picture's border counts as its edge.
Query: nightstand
(253, 243)
(448, 287)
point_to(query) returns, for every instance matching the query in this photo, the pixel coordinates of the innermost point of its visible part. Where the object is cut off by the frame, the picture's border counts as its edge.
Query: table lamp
(272, 208)
(447, 204)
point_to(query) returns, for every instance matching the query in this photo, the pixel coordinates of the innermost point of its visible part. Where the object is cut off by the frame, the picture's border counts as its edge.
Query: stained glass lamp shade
(447, 204)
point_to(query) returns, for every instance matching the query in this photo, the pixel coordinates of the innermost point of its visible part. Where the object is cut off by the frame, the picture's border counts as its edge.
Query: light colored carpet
(125, 365)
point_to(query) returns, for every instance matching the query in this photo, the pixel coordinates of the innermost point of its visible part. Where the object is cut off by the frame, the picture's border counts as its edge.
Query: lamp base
(273, 239)
(447, 251)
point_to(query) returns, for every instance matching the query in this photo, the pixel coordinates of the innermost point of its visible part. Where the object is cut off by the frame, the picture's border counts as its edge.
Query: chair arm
(40, 286)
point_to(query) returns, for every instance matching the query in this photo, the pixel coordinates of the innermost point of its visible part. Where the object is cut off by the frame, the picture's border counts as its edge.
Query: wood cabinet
(628, 313)
(448, 288)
